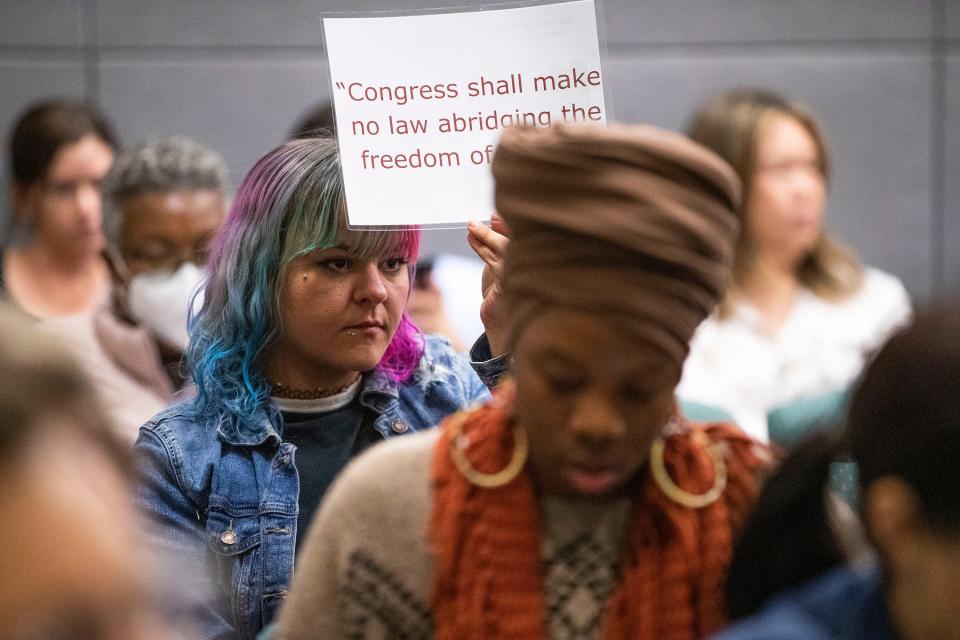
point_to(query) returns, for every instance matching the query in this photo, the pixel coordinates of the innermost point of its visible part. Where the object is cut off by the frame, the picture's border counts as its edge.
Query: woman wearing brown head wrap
(576, 504)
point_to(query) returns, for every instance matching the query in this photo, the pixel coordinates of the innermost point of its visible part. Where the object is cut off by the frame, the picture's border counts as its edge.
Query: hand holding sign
(491, 245)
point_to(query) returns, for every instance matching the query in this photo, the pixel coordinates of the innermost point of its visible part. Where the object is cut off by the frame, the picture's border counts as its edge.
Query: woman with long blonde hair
(802, 314)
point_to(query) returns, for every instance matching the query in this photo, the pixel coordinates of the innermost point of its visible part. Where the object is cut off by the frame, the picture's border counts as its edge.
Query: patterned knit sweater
(366, 570)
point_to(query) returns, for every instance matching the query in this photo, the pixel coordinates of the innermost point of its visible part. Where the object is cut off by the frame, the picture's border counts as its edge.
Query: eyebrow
(551, 353)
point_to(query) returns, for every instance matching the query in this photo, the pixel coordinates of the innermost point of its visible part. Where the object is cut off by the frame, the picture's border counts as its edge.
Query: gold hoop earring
(659, 471)
(521, 448)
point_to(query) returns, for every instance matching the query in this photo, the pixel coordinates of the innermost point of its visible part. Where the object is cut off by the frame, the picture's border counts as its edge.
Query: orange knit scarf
(489, 575)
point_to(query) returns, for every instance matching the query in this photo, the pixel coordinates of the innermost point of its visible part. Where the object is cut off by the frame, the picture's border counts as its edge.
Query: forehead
(363, 243)
(195, 211)
(89, 157)
(592, 341)
(782, 133)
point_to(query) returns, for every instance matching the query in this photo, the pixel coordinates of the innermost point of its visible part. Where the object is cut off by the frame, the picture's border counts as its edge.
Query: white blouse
(737, 365)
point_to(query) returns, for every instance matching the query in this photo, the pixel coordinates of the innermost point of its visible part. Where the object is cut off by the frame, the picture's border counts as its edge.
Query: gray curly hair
(172, 163)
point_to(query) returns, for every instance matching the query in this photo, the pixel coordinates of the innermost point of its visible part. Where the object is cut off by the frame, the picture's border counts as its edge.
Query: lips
(372, 324)
(593, 481)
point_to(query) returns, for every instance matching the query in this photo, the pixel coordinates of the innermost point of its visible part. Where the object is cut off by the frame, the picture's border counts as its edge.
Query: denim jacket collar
(378, 394)
(266, 425)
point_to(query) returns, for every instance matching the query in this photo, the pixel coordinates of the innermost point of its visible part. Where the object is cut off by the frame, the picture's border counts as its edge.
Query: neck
(61, 264)
(771, 287)
(45, 284)
(298, 376)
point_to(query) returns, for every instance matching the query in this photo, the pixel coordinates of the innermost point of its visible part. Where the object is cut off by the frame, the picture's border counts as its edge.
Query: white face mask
(160, 301)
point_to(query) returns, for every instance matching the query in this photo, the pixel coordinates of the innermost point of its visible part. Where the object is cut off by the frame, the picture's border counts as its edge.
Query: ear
(894, 521)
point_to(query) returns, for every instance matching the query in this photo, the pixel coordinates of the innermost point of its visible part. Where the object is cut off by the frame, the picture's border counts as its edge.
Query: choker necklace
(279, 390)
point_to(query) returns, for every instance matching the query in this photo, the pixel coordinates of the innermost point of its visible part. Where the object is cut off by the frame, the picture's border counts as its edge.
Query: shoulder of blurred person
(843, 604)
(346, 543)
(881, 304)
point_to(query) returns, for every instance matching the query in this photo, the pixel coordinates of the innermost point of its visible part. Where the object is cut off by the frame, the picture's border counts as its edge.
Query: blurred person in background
(447, 294)
(73, 566)
(163, 202)
(317, 120)
(903, 432)
(802, 316)
(303, 356)
(53, 262)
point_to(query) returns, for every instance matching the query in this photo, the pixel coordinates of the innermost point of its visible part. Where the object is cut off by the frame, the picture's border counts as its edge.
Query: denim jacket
(221, 505)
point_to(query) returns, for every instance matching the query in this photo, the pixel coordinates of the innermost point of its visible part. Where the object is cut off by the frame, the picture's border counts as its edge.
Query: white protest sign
(421, 100)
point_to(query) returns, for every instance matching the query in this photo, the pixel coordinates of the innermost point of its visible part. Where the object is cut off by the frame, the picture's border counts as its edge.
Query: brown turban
(630, 222)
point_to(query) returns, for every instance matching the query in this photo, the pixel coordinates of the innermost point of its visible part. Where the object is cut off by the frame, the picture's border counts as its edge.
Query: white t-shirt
(735, 364)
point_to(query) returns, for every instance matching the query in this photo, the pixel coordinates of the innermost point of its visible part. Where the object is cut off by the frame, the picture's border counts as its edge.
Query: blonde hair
(730, 125)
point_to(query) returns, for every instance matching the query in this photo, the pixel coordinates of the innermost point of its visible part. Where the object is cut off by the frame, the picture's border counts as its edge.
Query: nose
(596, 423)
(89, 202)
(370, 287)
(807, 182)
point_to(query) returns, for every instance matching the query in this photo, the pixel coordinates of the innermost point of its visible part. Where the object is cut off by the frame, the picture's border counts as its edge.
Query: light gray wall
(884, 76)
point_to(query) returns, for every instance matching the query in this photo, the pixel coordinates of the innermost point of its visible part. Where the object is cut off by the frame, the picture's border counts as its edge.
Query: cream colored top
(122, 363)
(737, 365)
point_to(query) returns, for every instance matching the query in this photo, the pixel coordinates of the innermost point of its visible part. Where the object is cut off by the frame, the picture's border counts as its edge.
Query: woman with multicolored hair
(302, 347)
(578, 503)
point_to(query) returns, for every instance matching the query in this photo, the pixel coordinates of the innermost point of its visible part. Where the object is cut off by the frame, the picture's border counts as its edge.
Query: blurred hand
(491, 245)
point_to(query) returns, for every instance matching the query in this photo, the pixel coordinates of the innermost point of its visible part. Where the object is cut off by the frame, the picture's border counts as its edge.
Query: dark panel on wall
(229, 22)
(40, 23)
(685, 21)
(241, 108)
(952, 19)
(876, 110)
(951, 187)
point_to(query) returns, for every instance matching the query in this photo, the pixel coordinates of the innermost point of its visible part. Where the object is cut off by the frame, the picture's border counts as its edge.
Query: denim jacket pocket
(233, 535)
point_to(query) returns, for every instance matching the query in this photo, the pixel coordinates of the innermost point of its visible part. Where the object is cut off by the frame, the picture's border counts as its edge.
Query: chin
(364, 362)
(92, 246)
